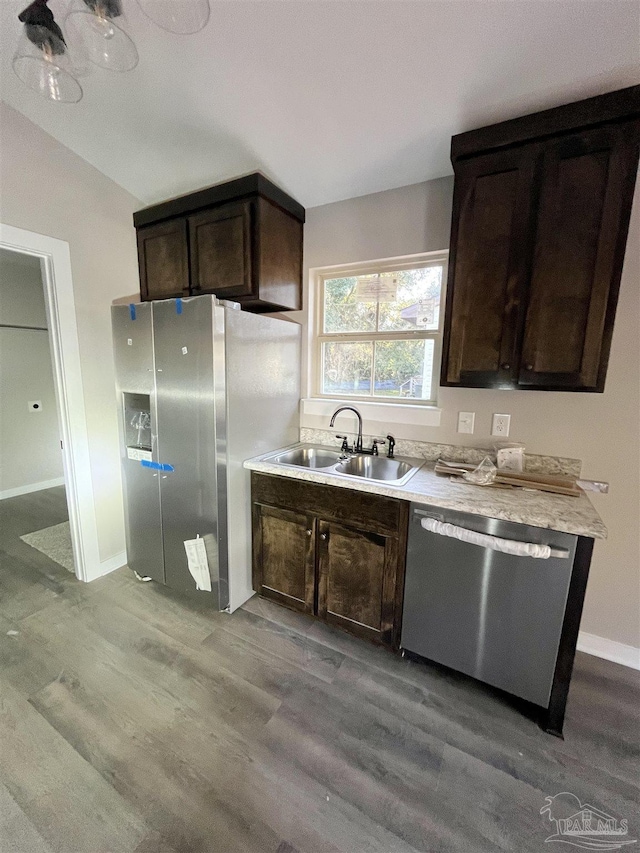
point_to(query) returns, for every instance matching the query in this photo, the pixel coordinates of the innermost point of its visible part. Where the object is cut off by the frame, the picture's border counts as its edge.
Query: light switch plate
(34, 405)
(500, 425)
(466, 421)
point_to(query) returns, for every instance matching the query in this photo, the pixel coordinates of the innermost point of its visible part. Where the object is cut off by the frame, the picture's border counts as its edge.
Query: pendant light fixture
(94, 30)
(184, 17)
(41, 59)
(105, 42)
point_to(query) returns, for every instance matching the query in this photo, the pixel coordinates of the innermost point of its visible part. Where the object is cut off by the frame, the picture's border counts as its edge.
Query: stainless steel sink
(308, 457)
(374, 468)
(391, 471)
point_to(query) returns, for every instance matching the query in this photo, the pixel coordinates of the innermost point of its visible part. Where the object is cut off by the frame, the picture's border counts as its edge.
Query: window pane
(404, 369)
(347, 368)
(342, 312)
(417, 304)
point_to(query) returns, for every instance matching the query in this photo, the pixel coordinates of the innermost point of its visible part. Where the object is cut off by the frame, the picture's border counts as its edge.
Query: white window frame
(320, 337)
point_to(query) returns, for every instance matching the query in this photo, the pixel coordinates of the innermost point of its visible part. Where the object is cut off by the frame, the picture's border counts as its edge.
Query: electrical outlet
(500, 425)
(466, 421)
(34, 405)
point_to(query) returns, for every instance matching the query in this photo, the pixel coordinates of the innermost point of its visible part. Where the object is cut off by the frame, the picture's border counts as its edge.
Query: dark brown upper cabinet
(541, 213)
(163, 260)
(241, 240)
(220, 250)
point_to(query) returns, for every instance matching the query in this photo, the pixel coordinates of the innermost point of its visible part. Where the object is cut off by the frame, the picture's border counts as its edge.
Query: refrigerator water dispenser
(137, 421)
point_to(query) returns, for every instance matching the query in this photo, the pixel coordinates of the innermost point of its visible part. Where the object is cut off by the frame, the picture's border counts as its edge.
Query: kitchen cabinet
(163, 260)
(540, 219)
(356, 579)
(330, 552)
(241, 240)
(220, 251)
(286, 554)
(493, 196)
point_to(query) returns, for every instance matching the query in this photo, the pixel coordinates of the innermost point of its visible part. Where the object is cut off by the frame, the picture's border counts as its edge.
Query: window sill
(315, 413)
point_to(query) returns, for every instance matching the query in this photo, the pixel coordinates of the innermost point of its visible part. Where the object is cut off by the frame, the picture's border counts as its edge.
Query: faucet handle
(374, 446)
(345, 443)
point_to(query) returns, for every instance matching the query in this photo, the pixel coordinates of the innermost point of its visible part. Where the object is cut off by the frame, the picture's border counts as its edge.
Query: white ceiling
(329, 99)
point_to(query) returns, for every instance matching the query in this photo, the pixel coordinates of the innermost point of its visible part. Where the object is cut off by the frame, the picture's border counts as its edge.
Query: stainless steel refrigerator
(201, 386)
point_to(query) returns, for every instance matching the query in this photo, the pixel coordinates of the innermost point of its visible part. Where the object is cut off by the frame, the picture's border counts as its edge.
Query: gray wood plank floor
(132, 721)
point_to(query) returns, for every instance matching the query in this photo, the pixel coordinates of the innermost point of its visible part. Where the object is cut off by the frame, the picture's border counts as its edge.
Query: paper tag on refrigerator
(198, 563)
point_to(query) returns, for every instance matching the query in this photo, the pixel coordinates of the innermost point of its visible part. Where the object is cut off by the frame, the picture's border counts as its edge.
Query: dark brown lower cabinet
(341, 559)
(356, 580)
(286, 547)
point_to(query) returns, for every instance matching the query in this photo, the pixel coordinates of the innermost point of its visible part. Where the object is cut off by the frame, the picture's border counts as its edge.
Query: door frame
(55, 265)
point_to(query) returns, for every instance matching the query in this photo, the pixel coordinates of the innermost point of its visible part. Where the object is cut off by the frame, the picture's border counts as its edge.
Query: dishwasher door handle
(495, 543)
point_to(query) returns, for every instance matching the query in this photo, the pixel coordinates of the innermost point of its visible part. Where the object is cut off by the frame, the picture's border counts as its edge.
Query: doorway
(34, 505)
(32, 253)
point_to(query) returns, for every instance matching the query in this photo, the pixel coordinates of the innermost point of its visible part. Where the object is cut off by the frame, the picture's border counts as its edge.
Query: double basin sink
(392, 471)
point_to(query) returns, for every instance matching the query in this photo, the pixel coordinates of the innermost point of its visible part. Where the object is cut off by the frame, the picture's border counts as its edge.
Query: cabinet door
(284, 556)
(357, 580)
(490, 248)
(587, 184)
(220, 247)
(163, 260)
(279, 257)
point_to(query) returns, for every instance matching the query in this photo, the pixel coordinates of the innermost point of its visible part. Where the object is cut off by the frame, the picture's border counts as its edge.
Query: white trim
(31, 487)
(55, 261)
(422, 415)
(378, 419)
(110, 565)
(611, 650)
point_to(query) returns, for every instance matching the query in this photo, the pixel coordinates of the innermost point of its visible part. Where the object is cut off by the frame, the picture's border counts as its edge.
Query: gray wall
(29, 441)
(48, 189)
(600, 429)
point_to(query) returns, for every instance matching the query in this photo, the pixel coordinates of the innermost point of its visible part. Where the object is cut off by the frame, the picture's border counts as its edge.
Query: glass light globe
(45, 67)
(103, 42)
(177, 16)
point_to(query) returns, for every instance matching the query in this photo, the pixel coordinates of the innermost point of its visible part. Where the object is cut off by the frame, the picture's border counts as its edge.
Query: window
(379, 331)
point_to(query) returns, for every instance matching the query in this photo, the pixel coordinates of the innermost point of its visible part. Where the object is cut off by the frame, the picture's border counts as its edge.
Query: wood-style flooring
(131, 720)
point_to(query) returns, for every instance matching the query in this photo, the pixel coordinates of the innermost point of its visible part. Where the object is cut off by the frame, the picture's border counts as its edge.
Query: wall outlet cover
(466, 421)
(34, 405)
(500, 425)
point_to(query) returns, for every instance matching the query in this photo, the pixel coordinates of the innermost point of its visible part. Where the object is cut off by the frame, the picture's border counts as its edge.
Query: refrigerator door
(186, 410)
(133, 351)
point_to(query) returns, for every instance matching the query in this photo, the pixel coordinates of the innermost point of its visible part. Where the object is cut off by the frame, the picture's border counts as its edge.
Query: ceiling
(329, 99)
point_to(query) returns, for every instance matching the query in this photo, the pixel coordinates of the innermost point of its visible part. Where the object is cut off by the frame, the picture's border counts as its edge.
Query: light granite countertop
(539, 509)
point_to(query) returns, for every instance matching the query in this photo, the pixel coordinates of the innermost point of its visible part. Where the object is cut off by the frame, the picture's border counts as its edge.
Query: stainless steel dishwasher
(493, 615)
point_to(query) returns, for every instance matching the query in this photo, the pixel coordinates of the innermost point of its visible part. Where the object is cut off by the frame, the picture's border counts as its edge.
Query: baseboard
(107, 566)
(611, 650)
(32, 487)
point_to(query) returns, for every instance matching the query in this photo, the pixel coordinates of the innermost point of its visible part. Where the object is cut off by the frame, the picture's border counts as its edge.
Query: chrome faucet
(358, 444)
